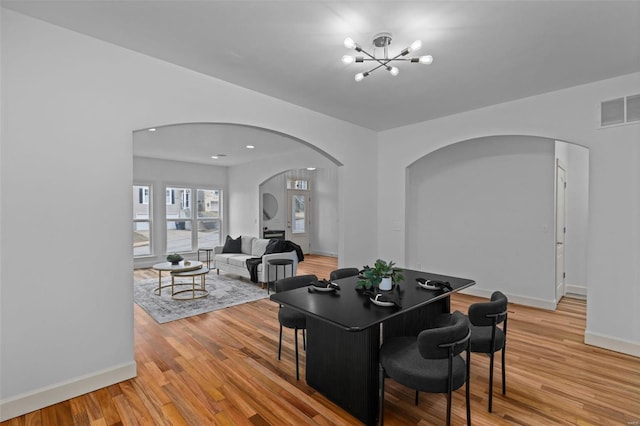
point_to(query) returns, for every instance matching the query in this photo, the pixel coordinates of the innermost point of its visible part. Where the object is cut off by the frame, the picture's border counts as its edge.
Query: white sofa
(235, 263)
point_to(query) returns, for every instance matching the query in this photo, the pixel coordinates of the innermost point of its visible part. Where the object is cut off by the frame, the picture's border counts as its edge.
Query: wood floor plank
(221, 368)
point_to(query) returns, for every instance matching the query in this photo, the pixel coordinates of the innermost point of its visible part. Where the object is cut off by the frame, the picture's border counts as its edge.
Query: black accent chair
(430, 362)
(344, 273)
(486, 336)
(291, 318)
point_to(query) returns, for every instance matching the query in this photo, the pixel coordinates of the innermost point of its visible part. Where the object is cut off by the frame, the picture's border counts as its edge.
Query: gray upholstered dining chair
(343, 273)
(291, 318)
(430, 362)
(487, 337)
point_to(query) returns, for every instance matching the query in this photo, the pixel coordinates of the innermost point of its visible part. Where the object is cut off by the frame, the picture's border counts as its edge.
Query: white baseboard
(612, 343)
(324, 253)
(43, 397)
(578, 290)
(520, 300)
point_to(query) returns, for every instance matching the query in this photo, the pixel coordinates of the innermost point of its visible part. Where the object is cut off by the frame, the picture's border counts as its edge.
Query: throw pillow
(232, 246)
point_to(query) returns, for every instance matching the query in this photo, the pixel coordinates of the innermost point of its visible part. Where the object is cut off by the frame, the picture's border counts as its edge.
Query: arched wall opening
(178, 155)
(323, 206)
(485, 209)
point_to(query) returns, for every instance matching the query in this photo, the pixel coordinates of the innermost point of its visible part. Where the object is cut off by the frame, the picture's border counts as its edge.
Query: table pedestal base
(343, 366)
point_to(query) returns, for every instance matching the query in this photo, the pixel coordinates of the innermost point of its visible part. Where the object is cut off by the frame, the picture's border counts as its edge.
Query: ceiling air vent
(620, 111)
(612, 112)
(633, 108)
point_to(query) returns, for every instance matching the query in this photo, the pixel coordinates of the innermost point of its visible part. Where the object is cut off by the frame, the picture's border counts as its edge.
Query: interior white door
(298, 220)
(561, 229)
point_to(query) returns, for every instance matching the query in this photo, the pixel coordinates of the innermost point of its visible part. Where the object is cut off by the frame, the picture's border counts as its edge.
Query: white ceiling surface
(197, 142)
(486, 52)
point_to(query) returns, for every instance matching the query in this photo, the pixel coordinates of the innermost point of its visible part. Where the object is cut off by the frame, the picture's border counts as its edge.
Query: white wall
(69, 106)
(613, 246)
(324, 227)
(484, 209)
(161, 174)
(276, 186)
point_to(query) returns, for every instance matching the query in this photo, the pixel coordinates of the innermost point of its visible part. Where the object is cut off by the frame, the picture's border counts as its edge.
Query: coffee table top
(193, 273)
(180, 267)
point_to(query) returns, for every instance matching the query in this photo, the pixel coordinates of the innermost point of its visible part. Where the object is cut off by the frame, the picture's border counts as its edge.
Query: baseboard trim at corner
(549, 305)
(323, 253)
(612, 343)
(577, 290)
(43, 397)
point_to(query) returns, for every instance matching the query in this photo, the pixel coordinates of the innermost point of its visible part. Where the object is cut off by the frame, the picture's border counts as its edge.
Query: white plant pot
(385, 284)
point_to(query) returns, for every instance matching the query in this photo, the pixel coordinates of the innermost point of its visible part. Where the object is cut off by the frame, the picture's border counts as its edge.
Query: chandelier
(383, 40)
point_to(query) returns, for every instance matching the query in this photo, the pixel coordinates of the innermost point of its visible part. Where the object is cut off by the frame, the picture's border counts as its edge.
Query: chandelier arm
(375, 68)
(389, 60)
(383, 61)
(373, 58)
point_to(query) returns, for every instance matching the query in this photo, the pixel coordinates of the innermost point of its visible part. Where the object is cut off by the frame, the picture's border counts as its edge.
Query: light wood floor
(222, 368)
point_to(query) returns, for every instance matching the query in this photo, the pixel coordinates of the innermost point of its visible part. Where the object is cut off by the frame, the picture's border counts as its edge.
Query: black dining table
(345, 330)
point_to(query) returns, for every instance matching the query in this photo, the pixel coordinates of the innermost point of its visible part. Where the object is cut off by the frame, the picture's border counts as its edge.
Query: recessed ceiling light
(215, 157)
(153, 129)
(311, 168)
(250, 146)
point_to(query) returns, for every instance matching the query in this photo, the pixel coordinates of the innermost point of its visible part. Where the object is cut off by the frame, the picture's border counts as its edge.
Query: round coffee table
(196, 292)
(168, 266)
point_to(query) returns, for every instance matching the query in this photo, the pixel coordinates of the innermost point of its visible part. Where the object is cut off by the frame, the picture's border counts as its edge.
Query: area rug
(223, 292)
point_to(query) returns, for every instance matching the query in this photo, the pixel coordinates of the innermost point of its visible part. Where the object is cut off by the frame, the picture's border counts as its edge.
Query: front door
(298, 218)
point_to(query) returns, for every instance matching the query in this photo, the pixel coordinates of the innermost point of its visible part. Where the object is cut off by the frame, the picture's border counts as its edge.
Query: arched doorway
(486, 208)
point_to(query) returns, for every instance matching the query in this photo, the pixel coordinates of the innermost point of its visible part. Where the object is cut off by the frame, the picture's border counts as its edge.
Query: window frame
(198, 220)
(187, 198)
(149, 219)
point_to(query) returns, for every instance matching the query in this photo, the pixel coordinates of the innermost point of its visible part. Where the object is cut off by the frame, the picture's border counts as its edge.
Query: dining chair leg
(504, 378)
(467, 388)
(450, 387)
(491, 380)
(417, 397)
(280, 344)
(304, 339)
(381, 396)
(449, 408)
(296, 342)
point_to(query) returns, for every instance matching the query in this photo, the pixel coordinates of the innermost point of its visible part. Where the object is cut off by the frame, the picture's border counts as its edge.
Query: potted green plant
(174, 258)
(382, 276)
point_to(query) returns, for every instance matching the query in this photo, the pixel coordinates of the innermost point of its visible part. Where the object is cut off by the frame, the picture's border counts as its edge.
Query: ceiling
(485, 52)
(198, 142)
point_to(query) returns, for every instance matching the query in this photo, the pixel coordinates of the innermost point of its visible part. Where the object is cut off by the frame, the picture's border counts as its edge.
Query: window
(208, 217)
(178, 217)
(141, 221)
(297, 184)
(298, 213)
(143, 194)
(171, 197)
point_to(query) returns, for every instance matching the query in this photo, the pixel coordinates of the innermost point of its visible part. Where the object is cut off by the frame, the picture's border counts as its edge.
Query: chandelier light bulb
(346, 59)
(426, 59)
(415, 45)
(394, 71)
(359, 76)
(349, 43)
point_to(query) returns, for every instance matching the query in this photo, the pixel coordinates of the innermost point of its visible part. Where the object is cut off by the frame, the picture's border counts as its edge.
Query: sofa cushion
(238, 260)
(222, 258)
(259, 247)
(232, 245)
(247, 243)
